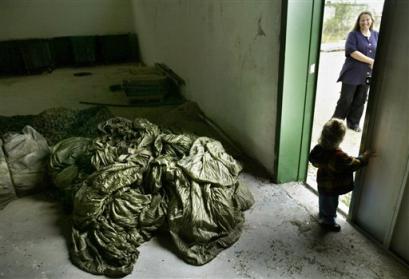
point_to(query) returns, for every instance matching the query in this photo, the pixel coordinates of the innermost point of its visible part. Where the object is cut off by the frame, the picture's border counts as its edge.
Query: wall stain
(249, 52)
(260, 31)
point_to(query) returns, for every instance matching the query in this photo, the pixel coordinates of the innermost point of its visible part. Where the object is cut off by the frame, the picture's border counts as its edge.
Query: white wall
(52, 18)
(228, 52)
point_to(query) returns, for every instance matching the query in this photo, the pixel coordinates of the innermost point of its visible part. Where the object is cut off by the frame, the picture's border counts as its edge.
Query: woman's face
(365, 21)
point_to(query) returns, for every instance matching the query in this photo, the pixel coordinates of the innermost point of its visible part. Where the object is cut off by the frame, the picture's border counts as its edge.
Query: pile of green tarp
(135, 179)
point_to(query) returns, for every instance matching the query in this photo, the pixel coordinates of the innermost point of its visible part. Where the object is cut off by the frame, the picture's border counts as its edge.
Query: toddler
(335, 171)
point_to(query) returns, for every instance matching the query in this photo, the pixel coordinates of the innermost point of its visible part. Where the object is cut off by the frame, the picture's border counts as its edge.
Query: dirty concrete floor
(281, 238)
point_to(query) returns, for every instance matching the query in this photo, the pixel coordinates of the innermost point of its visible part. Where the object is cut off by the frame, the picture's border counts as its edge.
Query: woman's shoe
(331, 227)
(356, 129)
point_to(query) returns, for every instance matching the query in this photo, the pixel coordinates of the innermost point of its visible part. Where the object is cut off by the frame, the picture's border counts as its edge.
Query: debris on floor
(82, 74)
(152, 86)
(56, 124)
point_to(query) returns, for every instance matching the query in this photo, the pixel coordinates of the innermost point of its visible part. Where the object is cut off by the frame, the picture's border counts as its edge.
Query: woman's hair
(332, 133)
(357, 27)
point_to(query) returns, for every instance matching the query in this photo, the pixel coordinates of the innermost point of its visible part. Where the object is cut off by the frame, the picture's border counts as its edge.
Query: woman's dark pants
(351, 103)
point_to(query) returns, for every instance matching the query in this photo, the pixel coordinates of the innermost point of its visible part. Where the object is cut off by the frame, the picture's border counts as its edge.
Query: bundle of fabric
(23, 161)
(136, 179)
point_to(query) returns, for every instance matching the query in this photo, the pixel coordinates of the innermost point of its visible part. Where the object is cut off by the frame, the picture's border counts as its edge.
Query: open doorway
(338, 20)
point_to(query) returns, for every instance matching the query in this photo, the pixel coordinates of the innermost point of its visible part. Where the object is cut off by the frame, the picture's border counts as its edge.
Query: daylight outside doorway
(339, 19)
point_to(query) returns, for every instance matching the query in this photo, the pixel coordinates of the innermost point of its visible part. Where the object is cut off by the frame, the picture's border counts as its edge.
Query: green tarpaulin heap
(135, 179)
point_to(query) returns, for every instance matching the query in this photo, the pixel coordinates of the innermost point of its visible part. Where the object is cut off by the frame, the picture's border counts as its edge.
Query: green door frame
(301, 26)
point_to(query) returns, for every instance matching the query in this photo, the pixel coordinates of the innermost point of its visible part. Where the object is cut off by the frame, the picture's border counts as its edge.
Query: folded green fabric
(134, 179)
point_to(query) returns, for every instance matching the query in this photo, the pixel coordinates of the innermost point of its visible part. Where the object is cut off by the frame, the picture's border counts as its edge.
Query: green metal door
(302, 22)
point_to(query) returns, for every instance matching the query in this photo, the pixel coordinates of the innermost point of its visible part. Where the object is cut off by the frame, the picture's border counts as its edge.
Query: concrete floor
(281, 238)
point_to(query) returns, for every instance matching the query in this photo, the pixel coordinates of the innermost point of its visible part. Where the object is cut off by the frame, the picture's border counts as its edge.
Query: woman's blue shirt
(355, 72)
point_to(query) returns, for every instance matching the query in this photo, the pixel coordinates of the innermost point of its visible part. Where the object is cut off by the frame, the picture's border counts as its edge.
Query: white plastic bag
(7, 193)
(27, 156)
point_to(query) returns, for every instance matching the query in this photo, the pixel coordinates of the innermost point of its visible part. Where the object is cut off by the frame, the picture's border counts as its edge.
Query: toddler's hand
(369, 153)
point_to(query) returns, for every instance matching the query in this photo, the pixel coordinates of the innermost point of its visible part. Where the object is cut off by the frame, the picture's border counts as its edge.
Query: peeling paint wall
(228, 52)
(51, 18)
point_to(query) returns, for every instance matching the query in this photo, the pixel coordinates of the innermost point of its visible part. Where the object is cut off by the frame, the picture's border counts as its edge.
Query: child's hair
(332, 134)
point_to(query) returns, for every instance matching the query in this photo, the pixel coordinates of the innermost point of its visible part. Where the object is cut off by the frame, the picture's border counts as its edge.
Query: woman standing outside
(360, 49)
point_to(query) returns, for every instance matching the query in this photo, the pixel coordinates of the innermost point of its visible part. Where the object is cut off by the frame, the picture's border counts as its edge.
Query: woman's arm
(357, 55)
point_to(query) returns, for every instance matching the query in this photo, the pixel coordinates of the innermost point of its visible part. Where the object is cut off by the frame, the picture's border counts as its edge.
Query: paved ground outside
(328, 90)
